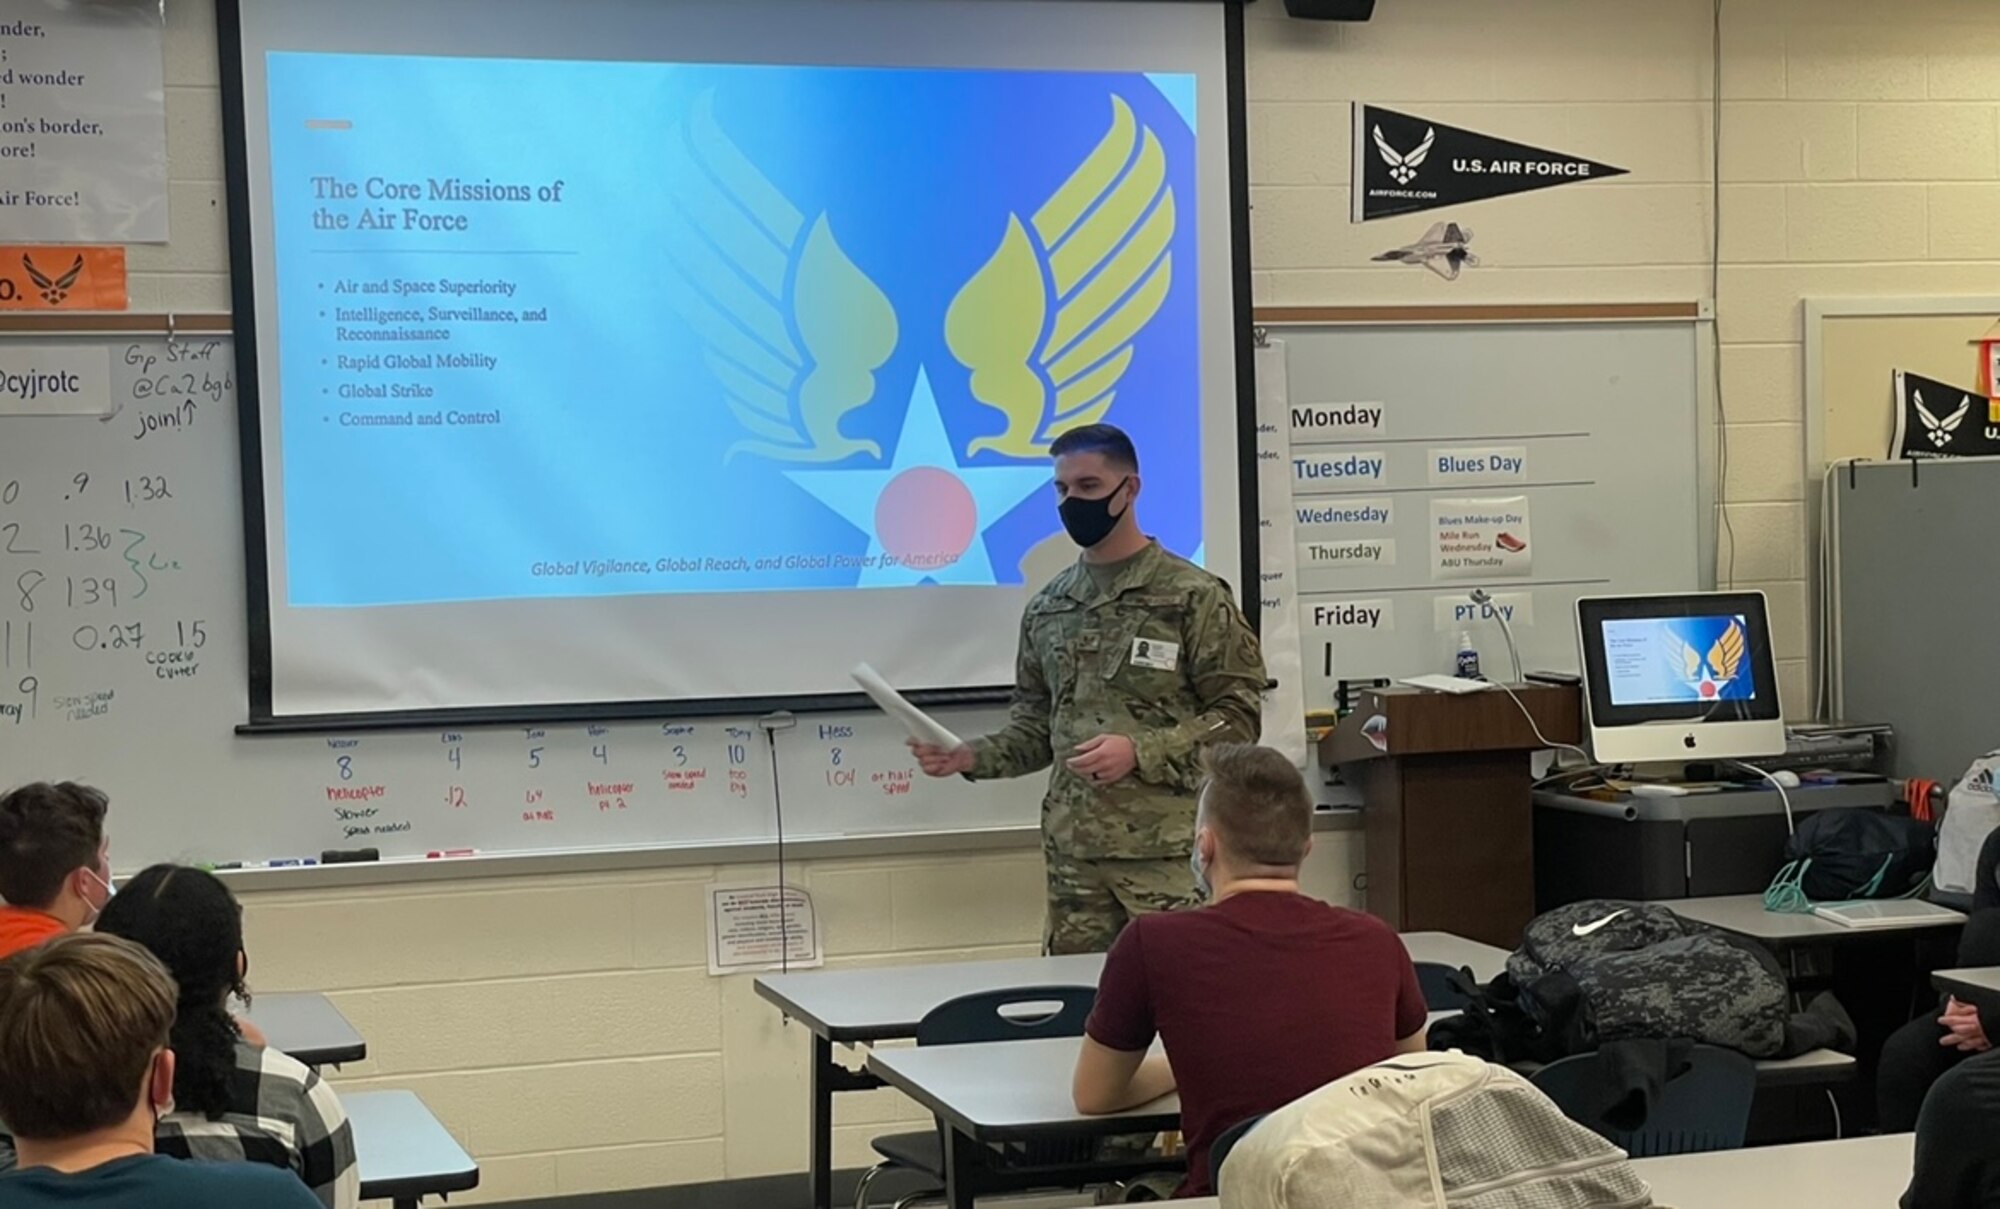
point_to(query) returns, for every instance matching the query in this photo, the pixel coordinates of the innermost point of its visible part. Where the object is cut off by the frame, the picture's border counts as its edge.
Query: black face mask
(1091, 521)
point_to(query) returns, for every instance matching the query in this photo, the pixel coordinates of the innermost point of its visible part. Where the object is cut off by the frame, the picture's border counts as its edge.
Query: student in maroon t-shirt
(1262, 995)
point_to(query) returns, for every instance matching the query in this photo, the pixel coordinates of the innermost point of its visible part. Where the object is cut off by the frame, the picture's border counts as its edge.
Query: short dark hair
(1258, 803)
(48, 832)
(1106, 439)
(80, 1020)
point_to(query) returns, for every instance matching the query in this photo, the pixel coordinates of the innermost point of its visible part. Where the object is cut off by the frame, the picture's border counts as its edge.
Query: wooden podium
(1446, 803)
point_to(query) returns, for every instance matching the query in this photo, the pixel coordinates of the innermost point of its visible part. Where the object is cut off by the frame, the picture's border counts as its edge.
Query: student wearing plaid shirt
(235, 1100)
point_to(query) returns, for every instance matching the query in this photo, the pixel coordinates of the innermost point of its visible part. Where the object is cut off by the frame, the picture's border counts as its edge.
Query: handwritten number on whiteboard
(14, 546)
(31, 688)
(738, 754)
(346, 767)
(454, 797)
(27, 582)
(78, 485)
(457, 760)
(602, 752)
(680, 756)
(534, 757)
(11, 492)
(836, 757)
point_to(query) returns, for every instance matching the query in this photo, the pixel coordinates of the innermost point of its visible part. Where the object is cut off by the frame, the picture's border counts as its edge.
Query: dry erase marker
(440, 855)
(288, 863)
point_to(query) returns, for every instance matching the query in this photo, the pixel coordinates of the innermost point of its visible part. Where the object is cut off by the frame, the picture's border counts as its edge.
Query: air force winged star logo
(1402, 167)
(791, 328)
(1709, 675)
(53, 290)
(1940, 431)
(795, 332)
(1047, 324)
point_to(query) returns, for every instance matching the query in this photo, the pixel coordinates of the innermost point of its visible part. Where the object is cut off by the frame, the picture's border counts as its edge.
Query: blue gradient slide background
(615, 430)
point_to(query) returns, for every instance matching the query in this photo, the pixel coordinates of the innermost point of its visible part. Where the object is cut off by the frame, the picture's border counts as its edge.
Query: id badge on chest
(1156, 653)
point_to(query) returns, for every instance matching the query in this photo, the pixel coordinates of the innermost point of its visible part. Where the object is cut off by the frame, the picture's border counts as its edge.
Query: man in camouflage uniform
(1130, 662)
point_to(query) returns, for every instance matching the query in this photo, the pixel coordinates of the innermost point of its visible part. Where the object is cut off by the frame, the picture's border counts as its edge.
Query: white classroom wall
(566, 1029)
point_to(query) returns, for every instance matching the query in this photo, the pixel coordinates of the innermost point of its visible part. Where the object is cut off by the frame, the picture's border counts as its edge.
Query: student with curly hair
(234, 1099)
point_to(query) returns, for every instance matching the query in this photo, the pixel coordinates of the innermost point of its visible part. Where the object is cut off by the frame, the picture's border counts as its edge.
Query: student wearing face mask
(1131, 661)
(55, 862)
(86, 1072)
(1259, 997)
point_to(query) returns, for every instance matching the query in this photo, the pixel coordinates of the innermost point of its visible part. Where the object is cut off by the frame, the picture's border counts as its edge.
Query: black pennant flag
(1403, 164)
(1936, 420)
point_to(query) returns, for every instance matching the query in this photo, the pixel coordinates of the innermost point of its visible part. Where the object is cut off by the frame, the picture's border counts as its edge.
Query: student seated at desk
(234, 1099)
(1262, 995)
(1957, 1164)
(85, 1072)
(55, 862)
(1916, 1055)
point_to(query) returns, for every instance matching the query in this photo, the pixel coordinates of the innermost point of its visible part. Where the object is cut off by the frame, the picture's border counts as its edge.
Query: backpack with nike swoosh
(1605, 970)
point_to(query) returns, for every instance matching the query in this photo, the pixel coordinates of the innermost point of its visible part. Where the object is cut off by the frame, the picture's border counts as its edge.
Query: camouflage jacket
(1165, 658)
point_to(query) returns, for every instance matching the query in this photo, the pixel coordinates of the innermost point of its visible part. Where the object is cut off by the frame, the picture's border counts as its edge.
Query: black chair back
(1223, 1145)
(1705, 1107)
(1013, 1014)
(1435, 980)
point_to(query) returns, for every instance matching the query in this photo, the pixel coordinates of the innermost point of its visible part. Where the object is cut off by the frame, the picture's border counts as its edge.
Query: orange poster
(62, 277)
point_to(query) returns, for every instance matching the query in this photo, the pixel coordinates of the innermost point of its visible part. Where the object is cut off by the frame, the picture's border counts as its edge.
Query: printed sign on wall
(83, 122)
(1404, 164)
(1481, 539)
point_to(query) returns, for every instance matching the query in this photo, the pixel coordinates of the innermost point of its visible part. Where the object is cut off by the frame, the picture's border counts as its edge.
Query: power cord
(1776, 784)
(1727, 526)
(1535, 726)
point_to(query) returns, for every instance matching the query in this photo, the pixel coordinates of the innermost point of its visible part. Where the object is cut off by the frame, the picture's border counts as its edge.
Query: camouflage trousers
(1090, 901)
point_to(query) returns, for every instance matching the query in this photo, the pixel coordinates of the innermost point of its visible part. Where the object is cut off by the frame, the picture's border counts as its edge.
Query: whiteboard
(123, 663)
(1404, 440)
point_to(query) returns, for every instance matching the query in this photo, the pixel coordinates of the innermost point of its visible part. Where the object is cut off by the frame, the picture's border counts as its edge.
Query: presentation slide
(1671, 660)
(585, 328)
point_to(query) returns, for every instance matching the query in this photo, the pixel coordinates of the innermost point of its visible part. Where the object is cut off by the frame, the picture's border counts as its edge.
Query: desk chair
(985, 1016)
(1225, 1143)
(1434, 979)
(1706, 1107)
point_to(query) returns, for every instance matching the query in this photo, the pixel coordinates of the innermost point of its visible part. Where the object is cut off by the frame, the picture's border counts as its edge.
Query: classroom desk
(1004, 1091)
(1017, 1090)
(1744, 915)
(1976, 980)
(884, 1003)
(1859, 1173)
(403, 1153)
(307, 1026)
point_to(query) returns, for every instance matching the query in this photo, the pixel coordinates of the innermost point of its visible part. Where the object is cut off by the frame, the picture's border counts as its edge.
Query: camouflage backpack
(1602, 970)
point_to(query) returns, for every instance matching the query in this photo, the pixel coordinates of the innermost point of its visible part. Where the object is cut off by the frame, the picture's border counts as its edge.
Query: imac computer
(1687, 677)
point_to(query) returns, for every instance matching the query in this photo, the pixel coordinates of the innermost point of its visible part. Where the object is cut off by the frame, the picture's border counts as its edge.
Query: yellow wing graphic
(1686, 660)
(791, 328)
(1725, 658)
(1046, 325)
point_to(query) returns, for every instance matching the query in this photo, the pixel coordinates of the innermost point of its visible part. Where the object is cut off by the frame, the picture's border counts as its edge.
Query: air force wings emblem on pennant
(1939, 431)
(1403, 168)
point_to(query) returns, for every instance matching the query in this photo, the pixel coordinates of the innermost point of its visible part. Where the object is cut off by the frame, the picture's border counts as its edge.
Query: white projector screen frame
(553, 657)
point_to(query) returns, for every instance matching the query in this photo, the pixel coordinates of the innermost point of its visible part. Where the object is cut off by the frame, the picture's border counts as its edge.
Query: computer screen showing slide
(1679, 677)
